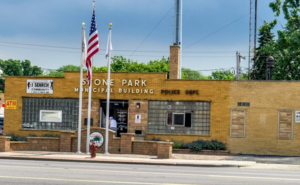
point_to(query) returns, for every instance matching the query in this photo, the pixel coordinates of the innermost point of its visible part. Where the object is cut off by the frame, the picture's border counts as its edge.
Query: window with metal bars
(179, 117)
(32, 107)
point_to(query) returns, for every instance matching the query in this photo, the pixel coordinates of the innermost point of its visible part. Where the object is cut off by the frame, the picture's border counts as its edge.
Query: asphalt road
(267, 159)
(49, 172)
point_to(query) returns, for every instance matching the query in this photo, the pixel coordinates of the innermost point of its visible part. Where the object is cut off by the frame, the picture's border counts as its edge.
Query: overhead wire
(101, 51)
(38, 45)
(151, 31)
(146, 51)
(216, 31)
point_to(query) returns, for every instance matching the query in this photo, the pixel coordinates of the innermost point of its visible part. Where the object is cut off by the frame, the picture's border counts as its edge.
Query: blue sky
(57, 23)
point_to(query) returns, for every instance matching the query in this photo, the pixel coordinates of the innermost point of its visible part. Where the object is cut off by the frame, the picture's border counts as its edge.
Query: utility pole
(252, 34)
(239, 58)
(178, 29)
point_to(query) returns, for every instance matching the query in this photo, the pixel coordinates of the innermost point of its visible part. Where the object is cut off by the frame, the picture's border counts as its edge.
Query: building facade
(257, 117)
(252, 117)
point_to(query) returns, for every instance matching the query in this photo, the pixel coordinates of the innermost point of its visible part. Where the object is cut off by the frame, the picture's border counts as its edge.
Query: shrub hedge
(199, 145)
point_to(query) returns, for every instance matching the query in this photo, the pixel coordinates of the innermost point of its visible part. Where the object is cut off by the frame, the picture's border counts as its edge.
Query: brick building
(254, 117)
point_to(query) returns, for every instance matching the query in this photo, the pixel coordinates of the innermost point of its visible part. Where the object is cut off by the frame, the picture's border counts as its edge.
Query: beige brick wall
(4, 144)
(132, 111)
(266, 99)
(174, 62)
(19, 146)
(144, 147)
(215, 92)
(43, 144)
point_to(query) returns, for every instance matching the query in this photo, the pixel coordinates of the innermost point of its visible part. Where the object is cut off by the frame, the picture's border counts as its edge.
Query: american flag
(93, 47)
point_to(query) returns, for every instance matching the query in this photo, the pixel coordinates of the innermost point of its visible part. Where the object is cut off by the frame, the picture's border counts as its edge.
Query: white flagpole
(80, 90)
(89, 111)
(108, 90)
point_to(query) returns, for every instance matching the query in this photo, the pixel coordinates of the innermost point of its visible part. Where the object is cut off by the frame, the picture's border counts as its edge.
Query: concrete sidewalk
(177, 159)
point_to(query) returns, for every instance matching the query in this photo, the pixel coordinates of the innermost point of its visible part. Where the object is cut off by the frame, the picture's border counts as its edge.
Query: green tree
(262, 53)
(60, 72)
(68, 68)
(100, 69)
(222, 75)
(187, 73)
(12, 67)
(121, 64)
(286, 49)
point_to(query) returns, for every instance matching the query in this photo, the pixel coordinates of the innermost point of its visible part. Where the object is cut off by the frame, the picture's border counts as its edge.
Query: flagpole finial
(110, 24)
(83, 24)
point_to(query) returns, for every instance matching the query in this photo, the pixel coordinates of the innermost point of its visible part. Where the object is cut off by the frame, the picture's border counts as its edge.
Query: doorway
(118, 109)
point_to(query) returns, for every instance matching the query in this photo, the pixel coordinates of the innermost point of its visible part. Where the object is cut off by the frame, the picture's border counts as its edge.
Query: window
(237, 123)
(243, 104)
(179, 117)
(50, 113)
(285, 124)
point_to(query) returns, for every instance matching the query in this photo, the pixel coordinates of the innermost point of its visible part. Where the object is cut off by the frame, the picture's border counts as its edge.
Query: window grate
(243, 104)
(197, 117)
(31, 112)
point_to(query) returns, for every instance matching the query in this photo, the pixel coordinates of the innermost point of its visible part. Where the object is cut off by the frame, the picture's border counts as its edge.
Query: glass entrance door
(118, 109)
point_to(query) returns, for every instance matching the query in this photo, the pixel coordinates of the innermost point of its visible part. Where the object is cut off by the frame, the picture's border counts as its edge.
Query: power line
(216, 31)
(151, 31)
(104, 51)
(38, 45)
(40, 49)
(153, 51)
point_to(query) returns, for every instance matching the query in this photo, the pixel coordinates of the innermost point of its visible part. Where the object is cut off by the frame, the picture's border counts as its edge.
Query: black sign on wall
(85, 121)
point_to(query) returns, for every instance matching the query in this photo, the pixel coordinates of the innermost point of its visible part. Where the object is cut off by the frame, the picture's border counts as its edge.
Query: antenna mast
(252, 34)
(178, 29)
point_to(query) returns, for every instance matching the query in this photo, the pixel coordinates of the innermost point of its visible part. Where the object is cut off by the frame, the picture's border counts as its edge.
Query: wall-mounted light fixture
(138, 105)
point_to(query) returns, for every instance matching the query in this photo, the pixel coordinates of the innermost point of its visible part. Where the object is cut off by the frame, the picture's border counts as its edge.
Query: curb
(120, 162)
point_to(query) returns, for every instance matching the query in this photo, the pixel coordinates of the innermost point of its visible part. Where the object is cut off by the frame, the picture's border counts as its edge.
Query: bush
(178, 145)
(50, 135)
(199, 145)
(17, 138)
(155, 139)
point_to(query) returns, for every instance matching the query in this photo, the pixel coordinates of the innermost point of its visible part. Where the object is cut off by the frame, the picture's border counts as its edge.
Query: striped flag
(93, 47)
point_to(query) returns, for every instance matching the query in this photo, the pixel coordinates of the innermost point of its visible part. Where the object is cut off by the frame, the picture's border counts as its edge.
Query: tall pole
(83, 57)
(108, 89)
(178, 29)
(252, 35)
(180, 66)
(237, 66)
(89, 112)
(79, 113)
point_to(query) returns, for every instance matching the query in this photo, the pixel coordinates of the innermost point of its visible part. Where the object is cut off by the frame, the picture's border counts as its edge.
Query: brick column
(65, 141)
(174, 62)
(4, 144)
(126, 143)
(164, 150)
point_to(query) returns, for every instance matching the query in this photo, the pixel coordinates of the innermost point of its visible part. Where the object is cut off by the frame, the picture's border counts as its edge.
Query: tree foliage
(121, 64)
(286, 48)
(60, 72)
(12, 67)
(187, 73)
(222, 75)
(262, 53)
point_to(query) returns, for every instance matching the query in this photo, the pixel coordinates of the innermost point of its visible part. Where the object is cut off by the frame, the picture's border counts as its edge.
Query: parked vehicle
(1, 124)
